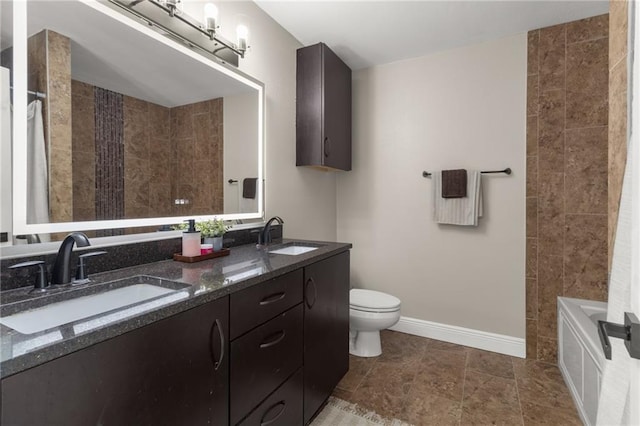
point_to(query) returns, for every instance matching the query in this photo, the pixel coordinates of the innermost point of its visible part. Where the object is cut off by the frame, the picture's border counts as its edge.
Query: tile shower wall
(618, 30)
(169, 153)
(567, 116)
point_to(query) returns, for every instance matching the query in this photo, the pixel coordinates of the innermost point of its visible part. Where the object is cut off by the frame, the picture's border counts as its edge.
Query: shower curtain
(37, 172)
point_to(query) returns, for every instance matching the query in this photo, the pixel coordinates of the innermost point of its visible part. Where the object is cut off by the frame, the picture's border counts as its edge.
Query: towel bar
(505, 171)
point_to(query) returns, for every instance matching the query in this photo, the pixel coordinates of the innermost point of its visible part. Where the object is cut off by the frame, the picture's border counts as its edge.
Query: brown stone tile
(427, 409)
(587, 84)
(342, 394)
(84, 187)
(83, 124)
(385, 389)
(542, 384)
(534, 414)
(159, 121)
(532, 135)
(549, 288)
(532, 339)
(552, 58)
(618, 30)
(490, 400)
(550, 213)
(181, 122)
(532, 257)
(551, 132)
(358, 369)
(532, 52)
(588, 29)
(401, 348)
(532, 217)
(136, 136)
(586, 158)
(160, 199)
(136, 184)
(80, 89)
(491, 363)
(548, 350)
(531, 298)
(440, 373)
(585, 257)
(532, 176)
(61, 181)
(532, 95)
(440, 345)
(203, 130)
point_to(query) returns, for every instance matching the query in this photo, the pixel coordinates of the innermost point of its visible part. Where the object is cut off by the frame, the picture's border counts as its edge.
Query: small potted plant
(212, 232)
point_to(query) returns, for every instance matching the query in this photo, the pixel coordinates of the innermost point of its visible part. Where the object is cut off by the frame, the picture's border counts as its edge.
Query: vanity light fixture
(169, 17)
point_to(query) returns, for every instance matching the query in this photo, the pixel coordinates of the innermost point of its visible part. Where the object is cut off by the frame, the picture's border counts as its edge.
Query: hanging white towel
(37, 175)
(458, 211)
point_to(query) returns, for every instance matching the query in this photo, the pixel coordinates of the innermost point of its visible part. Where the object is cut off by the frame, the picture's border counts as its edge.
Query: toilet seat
(372, 301)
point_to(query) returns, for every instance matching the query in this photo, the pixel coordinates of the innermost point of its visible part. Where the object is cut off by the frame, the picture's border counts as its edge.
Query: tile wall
(567, 146)
(618, 30)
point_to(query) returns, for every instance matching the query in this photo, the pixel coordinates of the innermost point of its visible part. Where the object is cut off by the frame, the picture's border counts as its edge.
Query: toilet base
(365, 344)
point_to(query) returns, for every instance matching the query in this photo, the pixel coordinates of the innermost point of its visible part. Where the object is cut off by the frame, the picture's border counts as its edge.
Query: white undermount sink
(293, 250)
(68, 311)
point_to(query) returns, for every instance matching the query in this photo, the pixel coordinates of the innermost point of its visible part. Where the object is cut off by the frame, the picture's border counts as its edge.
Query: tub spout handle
(629, 332)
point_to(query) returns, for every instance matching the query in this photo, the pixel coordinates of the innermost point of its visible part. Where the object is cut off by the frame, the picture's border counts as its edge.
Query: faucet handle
(81, 271)
(41, 283)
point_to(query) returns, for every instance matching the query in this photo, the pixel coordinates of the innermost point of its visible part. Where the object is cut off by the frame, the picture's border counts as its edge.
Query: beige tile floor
(428, 382)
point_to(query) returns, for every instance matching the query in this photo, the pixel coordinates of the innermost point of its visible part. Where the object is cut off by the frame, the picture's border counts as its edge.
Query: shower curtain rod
(36, 94)
(505, 171)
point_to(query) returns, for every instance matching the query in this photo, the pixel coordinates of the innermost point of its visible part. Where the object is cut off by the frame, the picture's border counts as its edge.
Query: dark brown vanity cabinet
(172, 372)
(323, 109)
(326, 329)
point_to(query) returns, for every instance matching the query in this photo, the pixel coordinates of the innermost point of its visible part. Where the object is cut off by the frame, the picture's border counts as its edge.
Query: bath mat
(342, 413)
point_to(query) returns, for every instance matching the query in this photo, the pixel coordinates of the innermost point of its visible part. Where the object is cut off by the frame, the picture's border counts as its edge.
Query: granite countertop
(188, 285)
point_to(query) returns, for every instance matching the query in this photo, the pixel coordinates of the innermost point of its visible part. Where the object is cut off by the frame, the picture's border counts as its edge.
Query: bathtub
(580, 356)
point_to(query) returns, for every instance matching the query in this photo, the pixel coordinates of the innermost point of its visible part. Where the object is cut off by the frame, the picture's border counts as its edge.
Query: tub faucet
(61, 273)
(264, 237)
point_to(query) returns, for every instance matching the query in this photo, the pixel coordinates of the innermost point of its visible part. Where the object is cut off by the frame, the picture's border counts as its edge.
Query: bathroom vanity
(251, 338)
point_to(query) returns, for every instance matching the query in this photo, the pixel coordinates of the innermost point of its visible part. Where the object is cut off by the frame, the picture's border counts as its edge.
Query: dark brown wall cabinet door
(323, 109)
(172, 372)
(326, 329)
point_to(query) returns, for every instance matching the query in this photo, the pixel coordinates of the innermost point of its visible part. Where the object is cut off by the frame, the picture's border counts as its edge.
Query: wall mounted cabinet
(323, 109)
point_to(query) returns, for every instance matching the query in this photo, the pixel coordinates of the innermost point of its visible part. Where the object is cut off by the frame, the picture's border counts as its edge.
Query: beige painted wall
(304, 198)
(463, 108)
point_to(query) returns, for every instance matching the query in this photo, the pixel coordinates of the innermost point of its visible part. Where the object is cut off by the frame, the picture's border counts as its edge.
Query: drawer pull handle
(217, 325)
(272, 298)
(281, 405)
(273, 339)
(307, 300)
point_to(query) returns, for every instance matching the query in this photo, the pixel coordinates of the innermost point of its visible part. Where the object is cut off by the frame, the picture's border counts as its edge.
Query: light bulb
(242, 33)
(210, 17)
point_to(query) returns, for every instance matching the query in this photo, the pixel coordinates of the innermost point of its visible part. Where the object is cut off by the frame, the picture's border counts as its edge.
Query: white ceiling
(367, 33)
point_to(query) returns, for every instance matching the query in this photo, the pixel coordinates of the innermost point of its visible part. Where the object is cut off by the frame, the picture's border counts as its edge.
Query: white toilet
(369, 312)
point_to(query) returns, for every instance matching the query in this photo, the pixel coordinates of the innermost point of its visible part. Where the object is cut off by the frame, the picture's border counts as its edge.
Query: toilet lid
(376, 301)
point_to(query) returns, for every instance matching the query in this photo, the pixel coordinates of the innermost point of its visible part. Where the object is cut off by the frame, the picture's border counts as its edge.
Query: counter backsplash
(119, 257)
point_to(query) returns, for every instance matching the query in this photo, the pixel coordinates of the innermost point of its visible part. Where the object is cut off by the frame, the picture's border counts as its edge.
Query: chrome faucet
(265, 235)
(61, 273)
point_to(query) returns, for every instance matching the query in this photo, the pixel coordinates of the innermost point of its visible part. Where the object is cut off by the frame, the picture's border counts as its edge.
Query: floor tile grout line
(515, 379)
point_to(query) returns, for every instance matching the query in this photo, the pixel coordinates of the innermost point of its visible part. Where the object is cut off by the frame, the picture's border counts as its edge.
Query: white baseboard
(500, 343)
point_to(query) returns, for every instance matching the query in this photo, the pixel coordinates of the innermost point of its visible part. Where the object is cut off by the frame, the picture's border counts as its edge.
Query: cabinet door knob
(281, 405)
(217, 325)
(326, 147)
(272, 298)
(307, 301)
(273, 339)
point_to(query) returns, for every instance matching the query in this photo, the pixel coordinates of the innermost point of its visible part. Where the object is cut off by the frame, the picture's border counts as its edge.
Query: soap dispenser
(191, 240)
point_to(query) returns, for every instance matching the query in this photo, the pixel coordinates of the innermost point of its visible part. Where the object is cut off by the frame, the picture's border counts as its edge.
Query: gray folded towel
(454, 183)
(249, 187)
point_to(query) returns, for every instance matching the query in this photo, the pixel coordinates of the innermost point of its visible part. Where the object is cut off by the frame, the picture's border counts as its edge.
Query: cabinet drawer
(282, 408)
(258, 304)
(262, 359)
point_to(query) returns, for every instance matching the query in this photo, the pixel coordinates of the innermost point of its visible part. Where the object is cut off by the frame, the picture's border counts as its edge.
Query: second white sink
(68, 311)
(294, 250)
